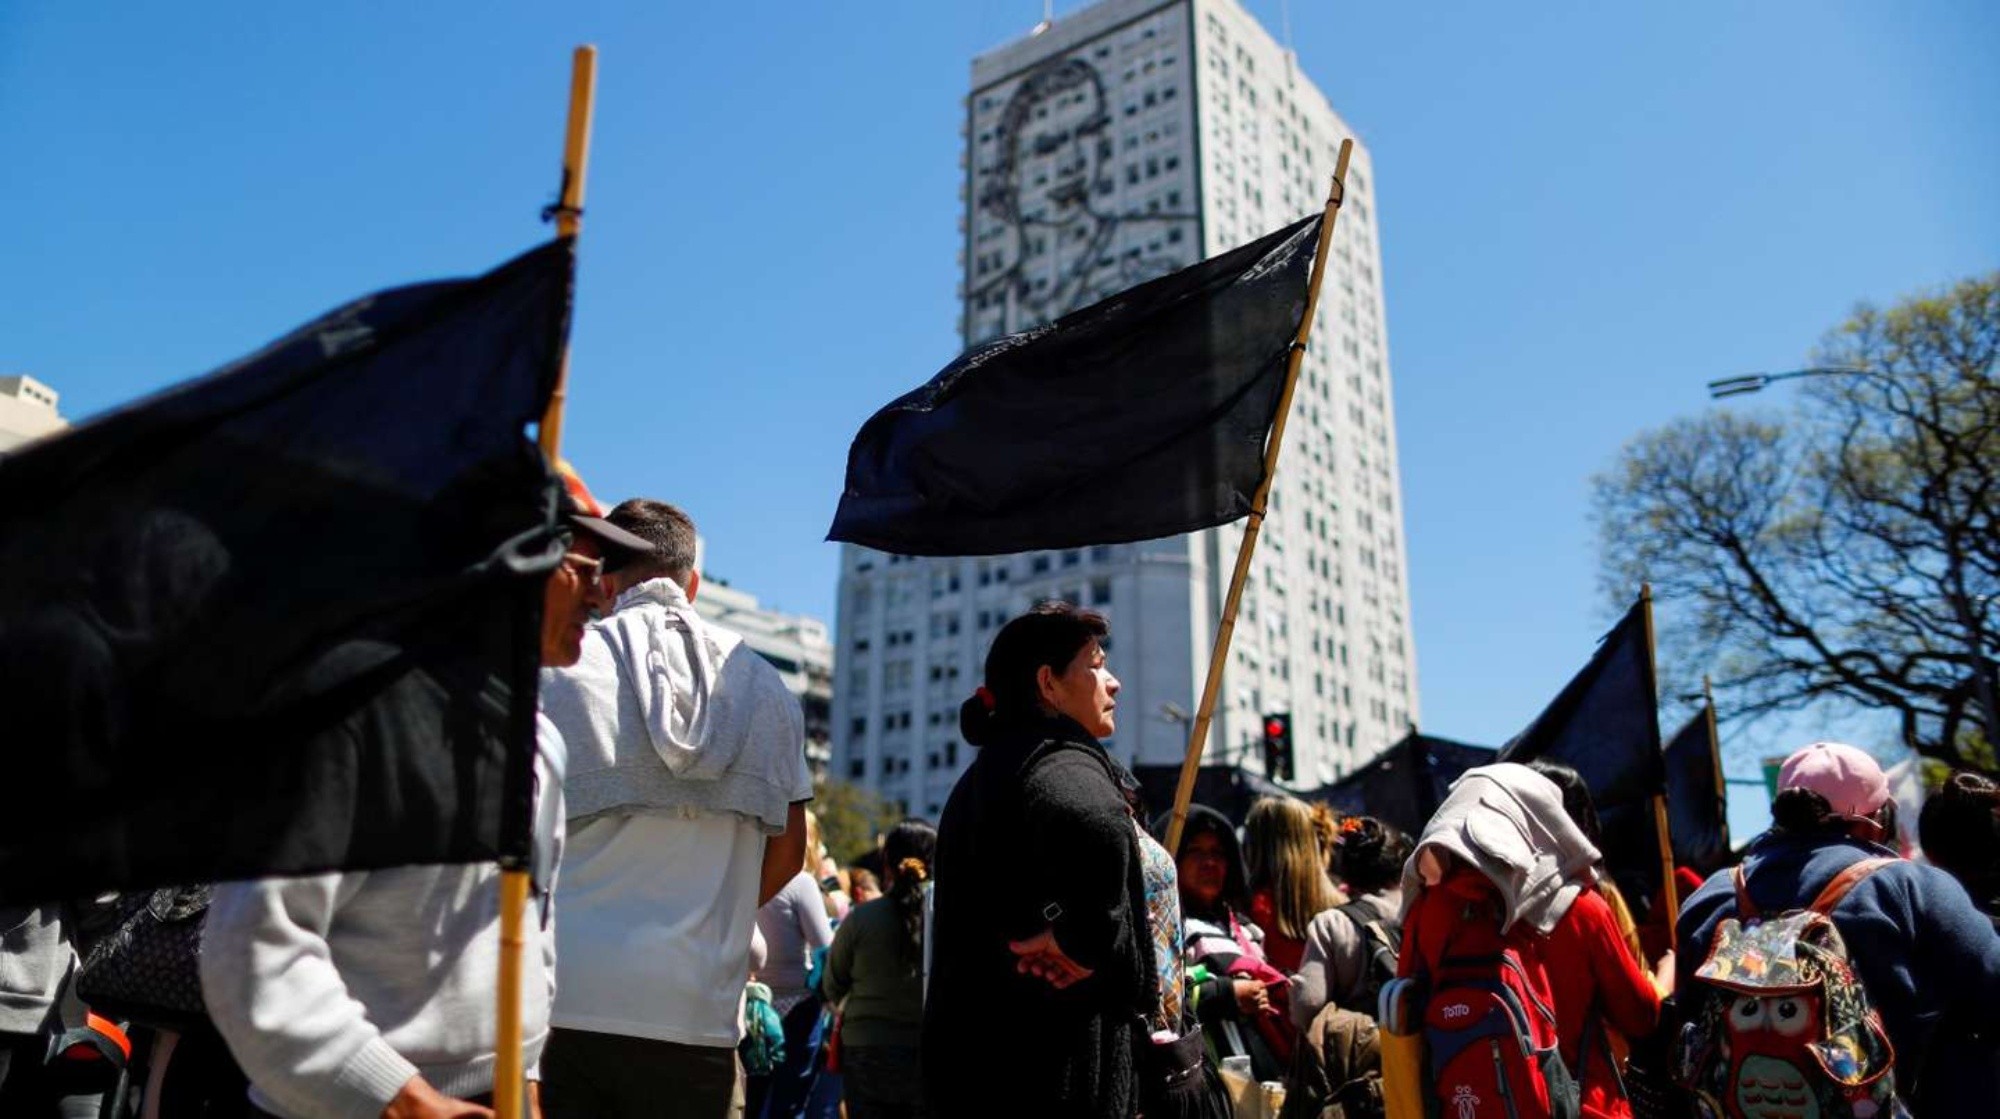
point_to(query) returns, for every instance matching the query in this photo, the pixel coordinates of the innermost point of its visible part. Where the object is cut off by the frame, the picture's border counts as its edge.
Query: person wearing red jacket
(1600, 989)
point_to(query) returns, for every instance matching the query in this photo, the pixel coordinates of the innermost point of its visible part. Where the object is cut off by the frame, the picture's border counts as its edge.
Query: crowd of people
(694, 950)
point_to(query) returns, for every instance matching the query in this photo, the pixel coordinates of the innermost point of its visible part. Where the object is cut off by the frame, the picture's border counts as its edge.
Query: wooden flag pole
(508, 1070)
(1219, 657)
(1715, 759)
(1667, 889)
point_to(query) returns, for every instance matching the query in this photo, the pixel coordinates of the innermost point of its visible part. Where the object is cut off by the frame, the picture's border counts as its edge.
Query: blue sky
(1586, 212)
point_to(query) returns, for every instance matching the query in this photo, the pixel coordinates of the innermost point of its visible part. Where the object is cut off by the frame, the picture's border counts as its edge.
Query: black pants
(881, 1082)
(588, 1075)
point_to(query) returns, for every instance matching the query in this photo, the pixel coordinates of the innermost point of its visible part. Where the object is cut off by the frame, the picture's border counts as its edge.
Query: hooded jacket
(1507, 822)
(35, 958)
(1226, 942)
(667, 712)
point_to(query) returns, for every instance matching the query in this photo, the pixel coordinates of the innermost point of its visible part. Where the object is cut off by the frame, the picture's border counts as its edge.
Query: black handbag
(148, 969)
(1177, 1080)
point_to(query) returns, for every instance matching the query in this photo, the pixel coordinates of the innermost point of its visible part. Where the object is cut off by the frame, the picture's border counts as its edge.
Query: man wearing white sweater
(686, 796)
(371, 993)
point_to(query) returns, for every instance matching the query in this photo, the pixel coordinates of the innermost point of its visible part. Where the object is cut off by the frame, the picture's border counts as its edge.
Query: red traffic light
(1274, 728)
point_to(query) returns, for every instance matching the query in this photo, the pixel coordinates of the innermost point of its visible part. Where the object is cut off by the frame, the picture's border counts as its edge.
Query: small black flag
(283, 618)
(1697, 814)
(1403, 785)
(1141, 416)
(1604, 725)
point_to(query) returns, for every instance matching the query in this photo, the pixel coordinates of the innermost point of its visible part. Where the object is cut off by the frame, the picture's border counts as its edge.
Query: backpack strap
(1746, 910)
(1846, 880)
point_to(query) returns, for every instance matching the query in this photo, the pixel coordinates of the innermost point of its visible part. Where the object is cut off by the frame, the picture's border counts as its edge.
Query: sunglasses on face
(589, 569)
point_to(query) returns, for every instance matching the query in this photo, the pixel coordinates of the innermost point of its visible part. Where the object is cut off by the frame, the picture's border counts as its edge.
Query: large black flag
(1697, 815)
(1140, 416)
(1403, 785)
(1604, 725)
(283, 618)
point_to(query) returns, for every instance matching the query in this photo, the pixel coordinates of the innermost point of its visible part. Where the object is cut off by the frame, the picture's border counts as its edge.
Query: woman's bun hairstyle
(1369, 855)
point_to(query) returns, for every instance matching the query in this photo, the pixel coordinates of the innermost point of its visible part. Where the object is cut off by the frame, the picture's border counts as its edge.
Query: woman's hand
(1041, 957)
(1664, 974)
(1251, 997)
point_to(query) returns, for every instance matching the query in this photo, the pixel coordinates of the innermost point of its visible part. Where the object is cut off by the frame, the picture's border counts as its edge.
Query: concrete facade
(27, 410)
(1122, 142)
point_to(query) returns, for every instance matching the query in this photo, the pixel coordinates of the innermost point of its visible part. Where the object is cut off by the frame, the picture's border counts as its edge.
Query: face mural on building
(1053, 192)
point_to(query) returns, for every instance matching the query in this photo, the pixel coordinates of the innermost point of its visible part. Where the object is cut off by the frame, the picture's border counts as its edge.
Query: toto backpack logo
(1457, 1010)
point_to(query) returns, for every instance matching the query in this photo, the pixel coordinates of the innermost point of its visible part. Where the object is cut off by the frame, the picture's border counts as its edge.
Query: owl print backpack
(1785, 1028)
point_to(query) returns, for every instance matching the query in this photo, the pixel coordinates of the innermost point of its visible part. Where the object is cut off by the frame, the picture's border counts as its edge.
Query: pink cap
(1850, 780)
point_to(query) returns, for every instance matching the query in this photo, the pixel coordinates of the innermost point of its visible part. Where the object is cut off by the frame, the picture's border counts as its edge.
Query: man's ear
(694, 585)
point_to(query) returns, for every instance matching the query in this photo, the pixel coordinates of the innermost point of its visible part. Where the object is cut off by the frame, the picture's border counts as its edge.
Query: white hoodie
(666, 712)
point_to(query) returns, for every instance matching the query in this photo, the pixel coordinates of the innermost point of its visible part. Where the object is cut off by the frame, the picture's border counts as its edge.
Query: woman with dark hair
(875, 972)
(1235, 993)
(1928, 958)
(1343, 945)
(1044, 985)
(1604, 998)
(1960, 832)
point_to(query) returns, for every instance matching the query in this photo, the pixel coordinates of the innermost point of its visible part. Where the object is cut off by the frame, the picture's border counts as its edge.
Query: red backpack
(1489, 1029)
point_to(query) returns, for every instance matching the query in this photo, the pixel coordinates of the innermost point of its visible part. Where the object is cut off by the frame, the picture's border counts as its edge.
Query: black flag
(1403, 785)
(1696, 811)
(283, 618)
(1604, 725)
(1140, 416)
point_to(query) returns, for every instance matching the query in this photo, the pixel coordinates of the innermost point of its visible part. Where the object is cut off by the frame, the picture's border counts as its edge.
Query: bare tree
(1849, 551)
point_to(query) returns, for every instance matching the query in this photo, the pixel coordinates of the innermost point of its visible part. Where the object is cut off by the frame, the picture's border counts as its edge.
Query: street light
(1757, 382)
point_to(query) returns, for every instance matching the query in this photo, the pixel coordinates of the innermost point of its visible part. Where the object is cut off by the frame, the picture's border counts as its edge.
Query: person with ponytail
(1606, 998)
(1045, 976)
(874, 973)
(1930, 960)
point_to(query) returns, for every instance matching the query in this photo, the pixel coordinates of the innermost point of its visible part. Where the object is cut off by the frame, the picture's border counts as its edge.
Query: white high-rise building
(1122, 142)
(27, 410)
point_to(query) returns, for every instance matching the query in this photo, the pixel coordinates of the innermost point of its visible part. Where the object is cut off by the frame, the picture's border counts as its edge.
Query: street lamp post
(1757, 382)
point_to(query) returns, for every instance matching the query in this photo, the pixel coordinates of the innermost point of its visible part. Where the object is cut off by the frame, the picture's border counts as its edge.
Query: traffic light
(1278, 747)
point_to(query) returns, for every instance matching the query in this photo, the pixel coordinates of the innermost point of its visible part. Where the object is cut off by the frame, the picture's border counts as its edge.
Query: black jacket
(1037, 833)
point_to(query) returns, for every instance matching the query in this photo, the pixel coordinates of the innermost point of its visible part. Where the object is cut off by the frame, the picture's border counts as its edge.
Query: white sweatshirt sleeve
(269, 980)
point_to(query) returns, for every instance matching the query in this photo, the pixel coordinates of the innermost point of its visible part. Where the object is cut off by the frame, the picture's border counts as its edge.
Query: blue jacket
(1928, 956)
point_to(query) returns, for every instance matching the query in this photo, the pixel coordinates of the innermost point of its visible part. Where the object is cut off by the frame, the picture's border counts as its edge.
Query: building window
(858, 727)
(857, 768)
(1100, 592)
(1040, 564)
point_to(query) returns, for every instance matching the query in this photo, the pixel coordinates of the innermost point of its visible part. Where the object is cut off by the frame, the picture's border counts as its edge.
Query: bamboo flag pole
(1219, 657)
(569, 214)
(1660, 799)
(508, 1069)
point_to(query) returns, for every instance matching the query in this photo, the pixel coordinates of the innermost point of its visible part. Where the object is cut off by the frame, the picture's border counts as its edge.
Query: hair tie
(985, 698)
(913, 869)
